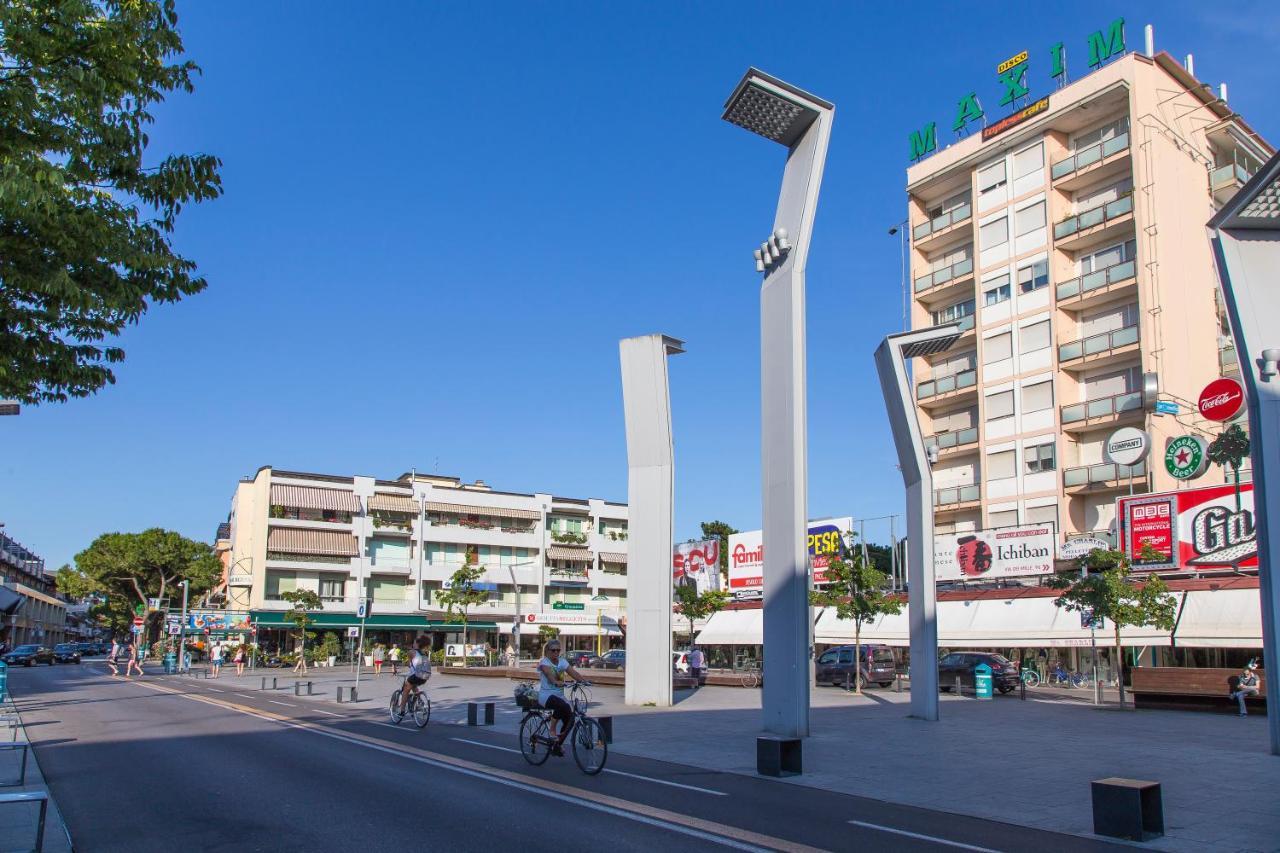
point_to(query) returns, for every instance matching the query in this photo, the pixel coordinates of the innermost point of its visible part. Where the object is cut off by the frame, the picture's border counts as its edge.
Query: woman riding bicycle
(419, 668)
(551, 672)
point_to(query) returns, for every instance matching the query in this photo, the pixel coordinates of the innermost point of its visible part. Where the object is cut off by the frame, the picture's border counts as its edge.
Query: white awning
(733, 628)
(1224, 619)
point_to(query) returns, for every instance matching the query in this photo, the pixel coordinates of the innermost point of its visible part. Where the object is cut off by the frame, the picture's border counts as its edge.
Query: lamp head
(768, 107)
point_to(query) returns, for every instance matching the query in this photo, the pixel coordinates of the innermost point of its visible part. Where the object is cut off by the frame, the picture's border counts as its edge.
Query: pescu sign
(697, 564)
(1000, 553)
(1221, 400)
(746, 554)
(1193, 529)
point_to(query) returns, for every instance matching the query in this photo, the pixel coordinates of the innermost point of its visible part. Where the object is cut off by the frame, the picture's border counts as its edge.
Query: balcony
(1098, 287)
(951, 443)
(1102, 411)
(948, 389)
(1094, 227)
(956, 498)
(1107, 159)
(952, 226)
(390, 566)
(1225, 181)
(1228, 364)
(1105, 476)
(947, 283)
(1098, 350)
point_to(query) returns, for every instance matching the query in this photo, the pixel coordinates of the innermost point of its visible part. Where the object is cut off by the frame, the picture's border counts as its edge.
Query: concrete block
(778, 756)
(1127, 808)
(479, 713)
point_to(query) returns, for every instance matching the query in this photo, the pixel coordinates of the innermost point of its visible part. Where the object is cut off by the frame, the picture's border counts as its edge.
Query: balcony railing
(1228, 175)
(1096, 279)
(946, 220)
(956, 495)
(1227, 361)
(1088, 156)
(1100, 343)
(957, 270)
(946, 440)
(956, 381)
(1096, 216)
(1102, 407)
(965, 322)
(1105, 472)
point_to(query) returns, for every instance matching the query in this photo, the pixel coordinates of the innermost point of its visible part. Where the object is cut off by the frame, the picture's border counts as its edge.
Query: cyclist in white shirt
(551, 672)
(419, 668)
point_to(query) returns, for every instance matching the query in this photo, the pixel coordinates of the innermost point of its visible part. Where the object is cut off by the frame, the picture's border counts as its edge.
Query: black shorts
(416, 681)
(559, 708)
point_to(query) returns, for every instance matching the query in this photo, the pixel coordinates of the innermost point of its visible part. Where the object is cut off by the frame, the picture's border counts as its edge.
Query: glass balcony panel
(1088, 156)
(962, 267)
(1073, 413)
(946, 383)
(942, 276)
(1115, 145)
(921, 231)
(1119, 272)
(1063, 167)
(969, 493)
(1075, 477)
(1093, 280)
(924, 282)
(967, 378)
(1090, 218)
(940, 222)
(966, 323)
(1102, 473)
(1068, 289)
(1119, 207)
(1095, 344)
(961, 213)
(967, 436)
(1066, 228)
(926, 389)
(1128, 402)
(1066, 352)
(1124, 337)
(1099, 408)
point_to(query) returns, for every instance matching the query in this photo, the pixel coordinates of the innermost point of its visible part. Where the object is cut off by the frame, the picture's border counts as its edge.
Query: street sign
(153, 603)
(362, 609)
(1186, 457)
(175, 630)
(1088, 620)
(137, 621)
(137, 629)
(1127, 446)
(1166, 407)
(353, 631)
(1221, 400)
(567, 605)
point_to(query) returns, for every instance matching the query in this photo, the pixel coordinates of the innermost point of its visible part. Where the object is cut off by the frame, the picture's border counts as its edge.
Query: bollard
(297, 688)
(355, 695)
(340, 689)
(1022, 689)
(264, 683)
(897, 682)
(273, 683)
(479, 713)
(308, 688)
(959, 690)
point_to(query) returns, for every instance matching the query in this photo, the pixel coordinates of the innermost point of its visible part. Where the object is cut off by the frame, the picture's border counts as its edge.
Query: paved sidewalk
(18, 821)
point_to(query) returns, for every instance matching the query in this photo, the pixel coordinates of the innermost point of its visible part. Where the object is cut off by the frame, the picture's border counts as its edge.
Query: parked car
(612, 659)
(580, 658)
(1004, 672)
(29, 655)
(85, 649)
(835, 666)
(66, 653)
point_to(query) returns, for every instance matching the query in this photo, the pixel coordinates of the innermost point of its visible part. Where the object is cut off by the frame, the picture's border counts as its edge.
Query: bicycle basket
(526, 697)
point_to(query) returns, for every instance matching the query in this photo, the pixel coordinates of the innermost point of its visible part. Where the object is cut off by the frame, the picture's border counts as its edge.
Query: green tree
(303, 601)
(694, 606)
(462, 594)
(1229, 450)
(1111, 593)
(547, 633)
(721, 531)
(857, 592)
(85, 221)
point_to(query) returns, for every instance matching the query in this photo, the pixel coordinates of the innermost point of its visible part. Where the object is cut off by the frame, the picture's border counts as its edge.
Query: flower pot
(333, 659)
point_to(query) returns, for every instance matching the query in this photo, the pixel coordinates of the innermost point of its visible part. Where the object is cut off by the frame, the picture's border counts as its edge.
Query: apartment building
(1071, 248)
(30, 610)
(551, 560)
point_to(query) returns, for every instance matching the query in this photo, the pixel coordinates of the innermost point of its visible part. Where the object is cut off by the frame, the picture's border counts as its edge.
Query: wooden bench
(1192, 689)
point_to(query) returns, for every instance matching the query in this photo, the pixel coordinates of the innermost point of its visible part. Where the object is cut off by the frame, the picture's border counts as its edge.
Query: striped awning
(298, 540)
(557, 552)
(610, 557)
(392, 503)
(305, 497)
(492, 511)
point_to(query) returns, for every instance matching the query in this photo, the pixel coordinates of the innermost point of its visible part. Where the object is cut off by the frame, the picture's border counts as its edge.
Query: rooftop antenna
(1151, 41)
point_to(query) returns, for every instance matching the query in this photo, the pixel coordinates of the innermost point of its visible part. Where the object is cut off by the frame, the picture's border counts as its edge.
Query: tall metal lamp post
(1246, 243)
(917, 476)
(801, 122)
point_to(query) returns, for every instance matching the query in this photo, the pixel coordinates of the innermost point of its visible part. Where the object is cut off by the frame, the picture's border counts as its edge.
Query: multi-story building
(1072, 250)
(29, 603)
(547, 559)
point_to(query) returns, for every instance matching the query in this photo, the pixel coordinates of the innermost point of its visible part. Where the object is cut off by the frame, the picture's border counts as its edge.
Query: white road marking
(607, 770)
(321, 711)
(923, 837)
(286, 704)
(216, 690)
(242, 696)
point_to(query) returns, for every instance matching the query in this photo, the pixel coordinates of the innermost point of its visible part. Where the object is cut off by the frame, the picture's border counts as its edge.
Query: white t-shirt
(216, 654)
(420, 665)
(546, 686)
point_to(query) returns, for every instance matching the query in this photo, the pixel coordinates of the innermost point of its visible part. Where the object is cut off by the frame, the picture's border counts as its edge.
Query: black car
(85, 649)
(1004, 672)
(29, 655)
(66, 653)
(613, 659)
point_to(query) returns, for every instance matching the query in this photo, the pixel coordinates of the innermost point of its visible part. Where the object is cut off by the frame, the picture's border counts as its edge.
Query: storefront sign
(240, 580)
(1221, 400)
(1074, 549)
(218, 620)
(563, 618)
(1013, 120)
(1186, 457)
(826, 539)
(1127, 446)
(1194, 529)
(1002, 553)
(697, 564)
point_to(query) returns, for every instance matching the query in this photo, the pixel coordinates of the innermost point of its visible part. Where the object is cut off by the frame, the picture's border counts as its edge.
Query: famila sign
(1015, 90)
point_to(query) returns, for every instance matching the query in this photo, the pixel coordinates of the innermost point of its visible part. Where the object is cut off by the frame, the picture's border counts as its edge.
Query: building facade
(546, 559)
(1072, 250)
(29, 604)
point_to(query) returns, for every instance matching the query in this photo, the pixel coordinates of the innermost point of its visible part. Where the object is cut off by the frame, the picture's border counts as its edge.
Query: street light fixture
(915, 462)
(801, 122)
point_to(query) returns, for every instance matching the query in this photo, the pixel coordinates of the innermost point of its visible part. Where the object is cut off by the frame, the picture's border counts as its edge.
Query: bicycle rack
(41, 797)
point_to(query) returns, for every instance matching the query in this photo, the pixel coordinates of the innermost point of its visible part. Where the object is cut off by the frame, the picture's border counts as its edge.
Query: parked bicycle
(1066, 677)
(749, 674)
(418, 706)
(1030, 677)
(586, 735)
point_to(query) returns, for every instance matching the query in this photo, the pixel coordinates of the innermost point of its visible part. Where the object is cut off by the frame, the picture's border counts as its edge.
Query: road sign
(362, 609)
(567, 605)
(175, 630)
(1127, 446)
(1221, 400)
(1186, 457)
(137, 629)
(153, 603)
(353, 631)
(1166, 407)
(1088, 620)
(137, 621)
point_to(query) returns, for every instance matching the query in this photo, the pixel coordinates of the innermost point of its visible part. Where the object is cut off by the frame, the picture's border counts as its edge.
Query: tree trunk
(1119, 661)
(857, 656)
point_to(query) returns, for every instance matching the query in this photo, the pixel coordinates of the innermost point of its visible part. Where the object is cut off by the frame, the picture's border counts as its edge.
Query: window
(1001, 466)
(1008, 518)
(1109, 256)
(956, 201)
(955, 364)
(1034, 337)
(1040, 458)
(953, 421)
(828, 657)
(280, 582)
(951, 313)
(997, 290)
(991, 177)
(332, 589)
(1101, 134)
(999, 405)
(1109, 384)
(994, 233)
(997, 348)
(846, 655)
(1097, 198)
(1033, 276)
(1030, 218)
(1028, 160)
(1042, 514)
(1038, 397)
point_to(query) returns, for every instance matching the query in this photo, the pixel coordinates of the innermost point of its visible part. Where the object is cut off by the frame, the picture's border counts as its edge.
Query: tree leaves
(84, 226)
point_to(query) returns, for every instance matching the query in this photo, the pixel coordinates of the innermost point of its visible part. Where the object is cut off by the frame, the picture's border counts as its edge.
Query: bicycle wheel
(422, 711)
(397, 713)
(1031, 679)
(1075, 679)
(589, 748)
(534, 739)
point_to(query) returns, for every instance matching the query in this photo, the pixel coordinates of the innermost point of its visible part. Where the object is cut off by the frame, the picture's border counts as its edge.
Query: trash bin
(4, 681)
(170, 663)
(982, 681)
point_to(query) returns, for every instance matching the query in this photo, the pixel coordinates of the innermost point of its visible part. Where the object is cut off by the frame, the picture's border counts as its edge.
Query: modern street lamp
(801, 122)
(915, 462)
(182, 627)
(1246, 243)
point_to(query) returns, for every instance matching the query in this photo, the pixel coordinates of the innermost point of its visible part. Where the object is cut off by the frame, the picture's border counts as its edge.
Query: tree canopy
(721, 531)
(694, 606)
(857, 592)
(85, 222)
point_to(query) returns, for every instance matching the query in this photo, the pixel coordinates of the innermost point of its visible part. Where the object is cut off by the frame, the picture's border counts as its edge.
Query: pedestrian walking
(1246, 686)
(114, 656)
(215, 659)
(379, 653)
(301, 665)
(239, 659)
(134, 653)
(394, 656)
(697, 663)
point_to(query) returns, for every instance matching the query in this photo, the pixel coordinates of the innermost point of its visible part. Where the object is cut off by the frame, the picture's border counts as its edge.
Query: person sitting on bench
(1246, 686)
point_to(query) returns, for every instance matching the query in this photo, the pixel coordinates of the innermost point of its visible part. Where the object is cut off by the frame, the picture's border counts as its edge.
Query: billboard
(827, 537)
(217, 620)
(1191, 529)
(697, 564)
(1001, 553)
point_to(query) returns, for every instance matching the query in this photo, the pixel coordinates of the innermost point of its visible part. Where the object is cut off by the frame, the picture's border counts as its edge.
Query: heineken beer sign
(1186, 457)
(1221, 400)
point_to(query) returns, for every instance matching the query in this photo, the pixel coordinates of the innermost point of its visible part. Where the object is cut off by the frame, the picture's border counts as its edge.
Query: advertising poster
(217, 620)
(697, 564)
(827, 537)
(1002, 553)
(1193, 529)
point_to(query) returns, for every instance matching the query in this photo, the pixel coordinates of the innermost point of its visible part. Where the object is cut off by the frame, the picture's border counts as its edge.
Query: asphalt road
(167, 764)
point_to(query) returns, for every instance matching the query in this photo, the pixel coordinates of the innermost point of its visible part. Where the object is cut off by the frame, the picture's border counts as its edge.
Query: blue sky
(439, 219)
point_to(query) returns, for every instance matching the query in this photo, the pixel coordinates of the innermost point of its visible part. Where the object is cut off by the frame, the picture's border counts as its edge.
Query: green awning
(375, 622)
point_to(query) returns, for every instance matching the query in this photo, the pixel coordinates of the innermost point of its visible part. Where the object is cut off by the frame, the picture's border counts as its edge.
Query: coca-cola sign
(1221, 400)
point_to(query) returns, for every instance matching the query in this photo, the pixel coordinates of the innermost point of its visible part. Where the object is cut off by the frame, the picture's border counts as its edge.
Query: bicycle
(1063, 676)
(1030, 677)
(750, 675)
(418, 706)
(587, 735)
